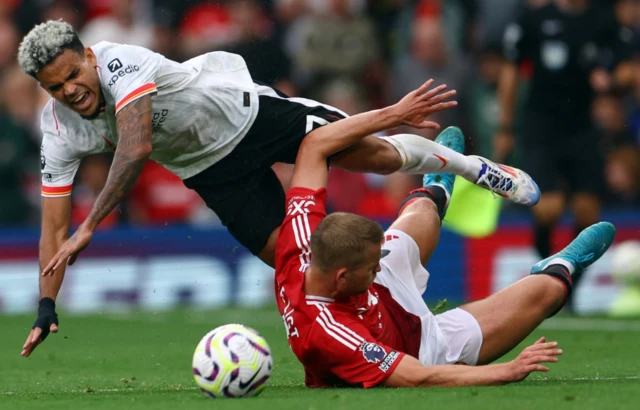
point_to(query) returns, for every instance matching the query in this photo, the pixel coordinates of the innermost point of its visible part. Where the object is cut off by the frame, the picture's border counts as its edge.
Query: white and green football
(232, 361)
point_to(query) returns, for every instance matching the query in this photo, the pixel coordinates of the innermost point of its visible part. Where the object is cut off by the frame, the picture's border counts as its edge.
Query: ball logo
(372, 352)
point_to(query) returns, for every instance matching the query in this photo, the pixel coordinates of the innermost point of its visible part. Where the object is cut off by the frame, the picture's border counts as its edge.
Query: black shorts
(242, 189)
(568, 161)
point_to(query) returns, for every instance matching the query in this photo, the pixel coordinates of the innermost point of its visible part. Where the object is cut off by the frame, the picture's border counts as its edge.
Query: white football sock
(423, 156)
(560, 261)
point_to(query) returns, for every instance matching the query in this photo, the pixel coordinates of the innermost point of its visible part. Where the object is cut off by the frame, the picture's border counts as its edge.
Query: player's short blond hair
(44, 43)
(341, 241)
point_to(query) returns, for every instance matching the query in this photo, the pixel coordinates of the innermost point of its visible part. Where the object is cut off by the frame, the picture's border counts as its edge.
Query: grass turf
(143, 361)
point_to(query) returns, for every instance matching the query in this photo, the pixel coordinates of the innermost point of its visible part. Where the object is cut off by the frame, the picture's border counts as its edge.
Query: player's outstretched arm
(56, 218)
(134, 147)
(311, 163)
(411, 373)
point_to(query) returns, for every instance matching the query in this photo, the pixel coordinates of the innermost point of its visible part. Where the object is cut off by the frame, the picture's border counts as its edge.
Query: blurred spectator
(9, 40)
(14, 148)
(265, 58)
(623, 175)
(628, 14)
(123, 24)
(20, 94)
(346, 188)
(287, 11)
(609, 116)
(353, 54)
(429, 58)
(28, 13)
(576, 51)
(335, 40)
(483, 105)
(205, 27)
(495, 15)
(634, 118)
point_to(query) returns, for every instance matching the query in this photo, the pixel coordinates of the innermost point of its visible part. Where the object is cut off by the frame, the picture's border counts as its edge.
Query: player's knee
(420, 205)
(387, 157)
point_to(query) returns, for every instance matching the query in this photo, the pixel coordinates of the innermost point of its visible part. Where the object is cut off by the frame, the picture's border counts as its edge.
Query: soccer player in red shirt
(350, 294)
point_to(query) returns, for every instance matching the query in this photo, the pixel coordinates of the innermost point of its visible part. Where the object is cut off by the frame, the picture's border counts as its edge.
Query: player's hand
(69, 250)
(416, 106)
(531, 358)
(46, 322)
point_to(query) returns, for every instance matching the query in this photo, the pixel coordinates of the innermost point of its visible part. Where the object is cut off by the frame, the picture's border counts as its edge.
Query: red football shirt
(357, 342)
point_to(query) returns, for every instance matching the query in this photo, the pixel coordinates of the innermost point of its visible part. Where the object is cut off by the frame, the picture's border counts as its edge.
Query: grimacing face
(358, 280)
(72, 79)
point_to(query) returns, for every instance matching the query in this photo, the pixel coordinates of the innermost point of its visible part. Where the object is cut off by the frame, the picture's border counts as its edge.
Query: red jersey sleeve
(305, 210)
(342, 346)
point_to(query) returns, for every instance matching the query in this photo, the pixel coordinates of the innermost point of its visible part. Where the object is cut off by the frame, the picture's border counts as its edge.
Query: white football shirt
(202, 109)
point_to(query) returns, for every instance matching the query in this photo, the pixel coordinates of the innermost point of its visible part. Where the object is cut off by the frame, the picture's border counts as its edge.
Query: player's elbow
(312, 148)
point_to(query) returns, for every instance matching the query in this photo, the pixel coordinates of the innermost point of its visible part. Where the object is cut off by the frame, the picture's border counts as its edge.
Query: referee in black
(576, 49)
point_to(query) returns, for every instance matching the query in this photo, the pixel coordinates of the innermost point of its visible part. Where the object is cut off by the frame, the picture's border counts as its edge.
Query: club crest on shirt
(372, 352)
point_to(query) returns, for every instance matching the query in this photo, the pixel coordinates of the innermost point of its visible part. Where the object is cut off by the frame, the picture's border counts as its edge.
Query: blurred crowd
(353, 54)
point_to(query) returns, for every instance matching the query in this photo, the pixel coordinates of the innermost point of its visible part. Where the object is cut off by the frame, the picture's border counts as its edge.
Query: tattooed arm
(132, 152)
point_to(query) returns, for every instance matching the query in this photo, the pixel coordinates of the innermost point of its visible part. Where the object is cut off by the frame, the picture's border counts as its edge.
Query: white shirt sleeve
(128, 72)
(65, 141)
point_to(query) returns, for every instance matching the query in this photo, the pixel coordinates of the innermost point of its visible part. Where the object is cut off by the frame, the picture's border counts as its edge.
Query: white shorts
(451, 337)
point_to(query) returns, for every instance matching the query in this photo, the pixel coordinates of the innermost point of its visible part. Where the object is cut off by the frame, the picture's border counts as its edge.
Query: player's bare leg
(421, 214)
(413, 154)
(508, 316)
(419, 219)
(369, 155)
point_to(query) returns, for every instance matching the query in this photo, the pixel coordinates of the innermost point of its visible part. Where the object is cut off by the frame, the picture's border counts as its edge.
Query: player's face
(73, 80)
(358, 280)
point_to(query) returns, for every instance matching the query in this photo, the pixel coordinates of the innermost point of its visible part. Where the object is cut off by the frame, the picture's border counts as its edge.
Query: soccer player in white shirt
(211, 125)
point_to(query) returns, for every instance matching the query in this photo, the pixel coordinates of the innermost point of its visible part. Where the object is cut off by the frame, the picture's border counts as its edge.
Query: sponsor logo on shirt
(158, 119)
(114, 65)
(116, 76)
(372, 352)
(300, 206)
(388, 361)
(48, 177)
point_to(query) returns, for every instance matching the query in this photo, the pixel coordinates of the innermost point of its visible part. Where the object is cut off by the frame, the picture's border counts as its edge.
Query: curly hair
(44, 43)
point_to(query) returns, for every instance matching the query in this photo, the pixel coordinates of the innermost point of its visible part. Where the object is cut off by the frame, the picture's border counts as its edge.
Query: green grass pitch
(143, 361)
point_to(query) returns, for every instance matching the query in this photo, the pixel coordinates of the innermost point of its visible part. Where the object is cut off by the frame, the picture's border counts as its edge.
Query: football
(232, 361)
(625, 263)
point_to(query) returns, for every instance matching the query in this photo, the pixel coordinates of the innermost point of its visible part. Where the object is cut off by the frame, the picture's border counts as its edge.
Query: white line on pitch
(89, 391)
(610, 325)
(593, 379)
(562, 379)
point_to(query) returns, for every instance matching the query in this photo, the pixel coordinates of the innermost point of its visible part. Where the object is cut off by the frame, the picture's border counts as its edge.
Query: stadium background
(164, 249)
